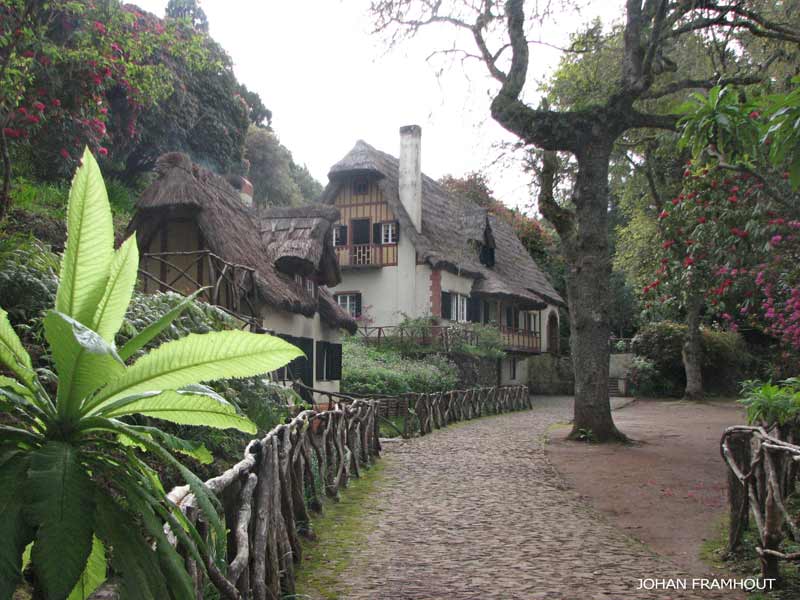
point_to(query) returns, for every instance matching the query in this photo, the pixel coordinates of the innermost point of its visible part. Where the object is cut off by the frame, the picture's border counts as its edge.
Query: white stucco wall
(545, 314)
(456, 283)
(380, 301)
(423, 303)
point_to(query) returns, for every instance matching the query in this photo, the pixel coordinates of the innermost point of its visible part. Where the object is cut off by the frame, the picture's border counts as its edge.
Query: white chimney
(411, 173)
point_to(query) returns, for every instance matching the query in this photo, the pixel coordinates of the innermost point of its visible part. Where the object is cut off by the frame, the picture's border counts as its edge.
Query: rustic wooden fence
(762, 475)
(269, 495)
(422, 413)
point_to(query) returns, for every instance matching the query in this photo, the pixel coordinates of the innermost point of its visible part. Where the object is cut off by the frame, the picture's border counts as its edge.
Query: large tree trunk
(589, 297)
(693, 351)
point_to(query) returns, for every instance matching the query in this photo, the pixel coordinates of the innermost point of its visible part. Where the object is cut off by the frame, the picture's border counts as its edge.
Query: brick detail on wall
(436, 293)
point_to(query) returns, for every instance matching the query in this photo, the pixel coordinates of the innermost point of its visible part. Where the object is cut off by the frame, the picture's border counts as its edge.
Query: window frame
(390, 226)
(337, 240)
(359, 184)
(459, 304)
(355, 303)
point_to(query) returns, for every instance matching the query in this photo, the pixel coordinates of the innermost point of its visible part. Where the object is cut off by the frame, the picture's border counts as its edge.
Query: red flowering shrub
(740, 256)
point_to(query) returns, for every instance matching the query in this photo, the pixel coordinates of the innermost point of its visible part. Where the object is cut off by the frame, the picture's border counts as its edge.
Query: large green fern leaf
(61, 507)
(121, 281)
(84, 360)
(12, 354)
(90, 244)
(200, 357)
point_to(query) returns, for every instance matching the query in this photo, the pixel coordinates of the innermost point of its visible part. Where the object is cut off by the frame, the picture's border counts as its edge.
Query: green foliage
(73, 458)
(647, 381)
(277, 179)
(419, 335)
(368, 369)
(746, 131)
(770, 404)
(725, 359)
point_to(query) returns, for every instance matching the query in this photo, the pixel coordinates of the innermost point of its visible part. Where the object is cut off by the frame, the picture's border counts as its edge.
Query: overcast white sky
(330, 82)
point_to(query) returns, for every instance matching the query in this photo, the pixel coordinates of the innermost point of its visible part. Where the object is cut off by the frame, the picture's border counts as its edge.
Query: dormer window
(360, 186)
(486, 255)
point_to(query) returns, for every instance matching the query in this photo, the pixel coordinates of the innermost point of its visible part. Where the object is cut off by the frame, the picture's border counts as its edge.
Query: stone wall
(474, 371)
(551, 375)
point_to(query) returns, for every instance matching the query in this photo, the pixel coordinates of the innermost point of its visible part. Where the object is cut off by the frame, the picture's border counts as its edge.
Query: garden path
(477, 511)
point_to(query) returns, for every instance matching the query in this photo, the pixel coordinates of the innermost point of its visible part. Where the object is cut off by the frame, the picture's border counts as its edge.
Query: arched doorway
(552, 333)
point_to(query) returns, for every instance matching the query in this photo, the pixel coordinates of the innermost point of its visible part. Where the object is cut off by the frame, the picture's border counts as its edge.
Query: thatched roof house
(277, 243)
(408, 248)
(269, 267)
(451, 230)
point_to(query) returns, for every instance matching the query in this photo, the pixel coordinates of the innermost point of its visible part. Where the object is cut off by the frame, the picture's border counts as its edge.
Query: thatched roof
(452, 229)
(276, 242)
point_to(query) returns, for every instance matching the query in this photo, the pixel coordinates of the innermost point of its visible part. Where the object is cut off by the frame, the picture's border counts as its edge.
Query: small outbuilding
(268, 268)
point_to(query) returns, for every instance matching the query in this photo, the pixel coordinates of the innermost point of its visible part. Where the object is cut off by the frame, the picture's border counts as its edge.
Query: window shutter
(485, 311)
(516, 318)
(376, 233)
(320, 360)
(397, 229)
(342, 233)
(306, 371)
(360, 231)
(509, 316)
(335, 354)
(358, 306)
(474, 310)
(447, 306)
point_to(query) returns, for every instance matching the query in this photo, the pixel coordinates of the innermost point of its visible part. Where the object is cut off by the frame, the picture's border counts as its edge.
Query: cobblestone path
(476, 511)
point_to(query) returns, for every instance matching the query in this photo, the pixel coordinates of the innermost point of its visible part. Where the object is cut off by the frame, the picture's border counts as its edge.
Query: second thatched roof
(278, 242)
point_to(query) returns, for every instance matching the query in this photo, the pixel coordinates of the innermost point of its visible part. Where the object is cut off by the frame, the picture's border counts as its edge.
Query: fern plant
(74, 494)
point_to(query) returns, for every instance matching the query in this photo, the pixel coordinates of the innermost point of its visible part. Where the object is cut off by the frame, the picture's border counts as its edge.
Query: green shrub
(771, 404)
(475, 339)
(647, 381)
(726, 359)
(369, 369)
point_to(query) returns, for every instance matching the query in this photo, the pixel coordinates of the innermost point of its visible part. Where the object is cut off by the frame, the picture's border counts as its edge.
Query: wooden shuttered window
(328, 361)
(319, 359)
(301, 367)
(333, 363)
(378, 233)
(447, 305)
(360, 231)
(474, 310)
(340, 235)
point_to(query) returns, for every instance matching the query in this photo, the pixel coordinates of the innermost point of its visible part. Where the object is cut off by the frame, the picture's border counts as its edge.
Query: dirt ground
(668, 490)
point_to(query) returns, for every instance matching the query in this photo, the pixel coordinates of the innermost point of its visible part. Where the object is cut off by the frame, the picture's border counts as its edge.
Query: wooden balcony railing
(447, 336)
(366, 255)
(520, 339)
(229, 286)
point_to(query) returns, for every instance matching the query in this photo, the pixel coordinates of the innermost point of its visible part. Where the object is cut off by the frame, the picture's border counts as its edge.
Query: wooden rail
(448, 335)
(422, 413)
(762, 475)
(267, 496)
(228, 286)
(355, 256)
